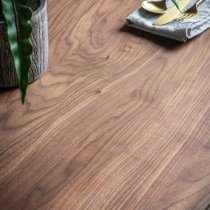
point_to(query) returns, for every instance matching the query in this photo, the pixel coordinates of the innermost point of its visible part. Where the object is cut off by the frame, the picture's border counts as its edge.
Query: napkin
(178, 30)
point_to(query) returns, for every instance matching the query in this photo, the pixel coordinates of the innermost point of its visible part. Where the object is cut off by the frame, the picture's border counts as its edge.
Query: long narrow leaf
(18, 19)
(0, 10)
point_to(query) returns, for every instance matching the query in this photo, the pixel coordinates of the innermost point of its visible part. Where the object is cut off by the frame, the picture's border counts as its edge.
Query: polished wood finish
(121, 120)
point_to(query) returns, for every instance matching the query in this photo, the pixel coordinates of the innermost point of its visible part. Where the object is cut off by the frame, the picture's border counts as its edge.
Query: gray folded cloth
(178, 30)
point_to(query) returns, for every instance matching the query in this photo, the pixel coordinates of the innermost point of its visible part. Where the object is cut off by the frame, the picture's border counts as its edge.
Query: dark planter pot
(40, 47)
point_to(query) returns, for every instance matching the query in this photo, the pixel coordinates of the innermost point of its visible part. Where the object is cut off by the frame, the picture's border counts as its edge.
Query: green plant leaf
(0, 10)
(19, 28)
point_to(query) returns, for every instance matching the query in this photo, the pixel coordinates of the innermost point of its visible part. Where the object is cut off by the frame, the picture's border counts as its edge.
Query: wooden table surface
(121, 120)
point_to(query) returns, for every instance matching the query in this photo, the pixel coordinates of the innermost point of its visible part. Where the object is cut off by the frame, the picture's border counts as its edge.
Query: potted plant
(23, 42)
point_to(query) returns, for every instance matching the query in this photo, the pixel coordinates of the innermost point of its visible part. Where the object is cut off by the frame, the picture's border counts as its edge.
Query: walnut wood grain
(121, 120)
